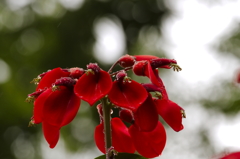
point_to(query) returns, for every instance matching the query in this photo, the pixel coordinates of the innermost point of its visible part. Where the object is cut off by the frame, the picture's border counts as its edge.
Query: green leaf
(124, 156)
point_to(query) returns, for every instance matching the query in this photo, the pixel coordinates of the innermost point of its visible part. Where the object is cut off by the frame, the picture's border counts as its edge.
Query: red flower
(234, 155)
(149, 144)
(58, 94)
(168, 110)
(127, 93)
(93, 85)
(121, 139)
(56, 105)
(55, 109)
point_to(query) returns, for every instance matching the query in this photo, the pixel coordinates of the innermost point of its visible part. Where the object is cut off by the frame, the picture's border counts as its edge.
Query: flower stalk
(106, 106)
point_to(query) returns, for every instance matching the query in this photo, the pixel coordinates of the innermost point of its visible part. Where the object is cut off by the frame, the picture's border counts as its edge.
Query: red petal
(99, 137)
(149, 144)
(91, 87)
(61, 107)
(171, 113)
(235, 155)
(153, 76)
(128, 95)
(51, 134)
(146, 116)
(155, 79)
(71, 109)
(126, 115)
(50, 77)
(145, 57)
(39, 105)
(121, 139)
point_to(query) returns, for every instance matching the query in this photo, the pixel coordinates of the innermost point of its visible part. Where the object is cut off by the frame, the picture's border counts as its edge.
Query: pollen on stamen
(36, 80)
(175, 67)
(31, 123)
(55, 88)
(30, 99)
(89, 71)
(158, 95)
(183, 113)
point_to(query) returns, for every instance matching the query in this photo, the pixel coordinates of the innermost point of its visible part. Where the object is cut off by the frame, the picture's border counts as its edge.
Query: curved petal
(39, 105)
(153, 75)
(99, 137)
(171, 113)
(121, 139)
(50, 77)
(71, 109)
(146, 116)
(127, 95)
(51, 134)
(91, 87)
(61, 107)
(149, 144)
(145, 57)
(234, 155)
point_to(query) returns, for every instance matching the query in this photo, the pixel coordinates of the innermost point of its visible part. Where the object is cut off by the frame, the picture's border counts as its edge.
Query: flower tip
(30, 99)
(52, 145)
(36, 80)
(94, 67)
(31, 123)
(177, 129)
(126, 61)
(183, 113)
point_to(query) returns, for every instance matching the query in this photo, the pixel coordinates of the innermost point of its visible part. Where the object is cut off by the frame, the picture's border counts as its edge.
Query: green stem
(106, 106)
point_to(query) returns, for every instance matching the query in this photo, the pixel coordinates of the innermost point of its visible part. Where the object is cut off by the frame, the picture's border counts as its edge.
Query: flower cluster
(59, 93)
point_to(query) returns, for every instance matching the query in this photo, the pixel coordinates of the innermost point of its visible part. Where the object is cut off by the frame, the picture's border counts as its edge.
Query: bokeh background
(202, 35)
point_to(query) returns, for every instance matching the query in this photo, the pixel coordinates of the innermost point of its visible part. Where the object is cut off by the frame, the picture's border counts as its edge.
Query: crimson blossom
(59, 93)
(233, 155)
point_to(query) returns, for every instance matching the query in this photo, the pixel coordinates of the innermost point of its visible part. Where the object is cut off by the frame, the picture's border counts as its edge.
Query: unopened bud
(126, 61)
(65, 81)
(76, 72)
(94, 67)
(162, 63)
(126, 115)
(139, 68)
(121, 75)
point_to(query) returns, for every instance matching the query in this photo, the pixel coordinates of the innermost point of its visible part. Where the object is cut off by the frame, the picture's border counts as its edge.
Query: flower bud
(139, 68)
(162, 63)
(65, 81)
(76, 72)
(126, 115)
(94, 67)
(126, 61)
(120, 76)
